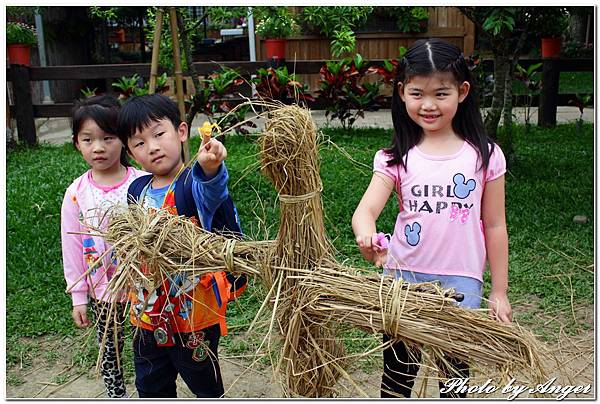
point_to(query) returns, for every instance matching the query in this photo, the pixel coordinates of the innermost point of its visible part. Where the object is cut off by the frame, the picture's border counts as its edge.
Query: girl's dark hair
(139, 112)
(425, 57)
(102, 109)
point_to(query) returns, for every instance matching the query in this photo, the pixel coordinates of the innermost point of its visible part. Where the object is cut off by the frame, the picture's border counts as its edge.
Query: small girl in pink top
(100, 188)
(449, 179)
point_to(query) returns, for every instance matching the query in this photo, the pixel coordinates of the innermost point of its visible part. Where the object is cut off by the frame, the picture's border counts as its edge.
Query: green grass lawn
(552, 182)
(576, 83)
(569, 83)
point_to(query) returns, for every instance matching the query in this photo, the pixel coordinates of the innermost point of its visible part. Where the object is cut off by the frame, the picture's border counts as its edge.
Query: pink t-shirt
(438, 230)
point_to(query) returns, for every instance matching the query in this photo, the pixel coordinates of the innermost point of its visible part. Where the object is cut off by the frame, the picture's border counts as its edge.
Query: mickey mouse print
(440, 210)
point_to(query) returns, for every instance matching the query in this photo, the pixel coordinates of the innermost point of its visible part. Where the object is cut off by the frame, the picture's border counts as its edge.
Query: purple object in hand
(380, 241)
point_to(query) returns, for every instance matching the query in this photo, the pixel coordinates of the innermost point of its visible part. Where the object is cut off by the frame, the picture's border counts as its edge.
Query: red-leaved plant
(216, 97)
(278, 84)
(342, 86)
(388, 71)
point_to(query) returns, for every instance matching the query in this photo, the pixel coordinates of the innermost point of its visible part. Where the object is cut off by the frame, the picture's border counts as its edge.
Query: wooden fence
(447, 23)
(24, 111)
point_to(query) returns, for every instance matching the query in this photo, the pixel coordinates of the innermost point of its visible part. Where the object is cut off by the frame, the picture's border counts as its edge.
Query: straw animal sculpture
(314, 293)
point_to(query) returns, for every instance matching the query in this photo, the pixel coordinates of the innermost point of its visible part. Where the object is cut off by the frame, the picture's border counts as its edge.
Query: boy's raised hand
(211, 153)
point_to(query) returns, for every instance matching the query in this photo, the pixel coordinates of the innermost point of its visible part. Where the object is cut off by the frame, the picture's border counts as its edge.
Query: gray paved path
(57, 130)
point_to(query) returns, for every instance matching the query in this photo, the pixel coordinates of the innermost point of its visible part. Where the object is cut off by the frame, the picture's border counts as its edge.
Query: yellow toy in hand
(206, 130)
(212, 152)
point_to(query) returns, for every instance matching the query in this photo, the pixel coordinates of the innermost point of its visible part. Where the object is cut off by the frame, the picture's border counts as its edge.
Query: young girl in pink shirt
(87, 199)
(449, 179)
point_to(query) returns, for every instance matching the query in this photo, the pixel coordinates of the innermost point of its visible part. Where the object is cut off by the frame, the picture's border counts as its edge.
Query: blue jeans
(470, 287)
(400, 366)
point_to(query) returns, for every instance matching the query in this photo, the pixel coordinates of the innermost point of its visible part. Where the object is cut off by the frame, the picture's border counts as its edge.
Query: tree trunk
(578, 26)
(187, 53)
(507, 118)
(506, 140)
(501, 70)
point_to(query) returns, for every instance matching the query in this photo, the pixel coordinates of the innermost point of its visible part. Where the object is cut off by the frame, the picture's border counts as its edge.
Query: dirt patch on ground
(50, 369)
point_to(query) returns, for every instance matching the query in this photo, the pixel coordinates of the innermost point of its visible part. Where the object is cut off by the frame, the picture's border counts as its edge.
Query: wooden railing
(24, 111)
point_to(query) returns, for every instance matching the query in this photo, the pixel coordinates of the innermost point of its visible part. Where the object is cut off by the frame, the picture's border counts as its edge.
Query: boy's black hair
(139, 112)
(102, 109)
(425, 57)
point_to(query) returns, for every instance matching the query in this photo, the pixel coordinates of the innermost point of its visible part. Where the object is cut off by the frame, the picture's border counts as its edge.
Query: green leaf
(534, 67)
(358, 59)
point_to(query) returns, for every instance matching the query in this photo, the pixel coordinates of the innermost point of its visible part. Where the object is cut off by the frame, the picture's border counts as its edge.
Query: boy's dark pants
(156, 368)
(401, 367)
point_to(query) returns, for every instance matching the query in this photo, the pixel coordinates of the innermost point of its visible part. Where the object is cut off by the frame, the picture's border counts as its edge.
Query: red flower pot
(550, 47)
(18, 54)
(120, 35)
(275, 48)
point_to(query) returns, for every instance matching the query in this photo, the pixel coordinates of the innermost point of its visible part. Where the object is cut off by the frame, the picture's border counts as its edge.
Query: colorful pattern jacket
(85, 200)
(192, 302)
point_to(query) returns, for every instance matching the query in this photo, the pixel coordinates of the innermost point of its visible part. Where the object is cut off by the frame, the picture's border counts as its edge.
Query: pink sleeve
(72, 248)
(496, 165)
(380, 165)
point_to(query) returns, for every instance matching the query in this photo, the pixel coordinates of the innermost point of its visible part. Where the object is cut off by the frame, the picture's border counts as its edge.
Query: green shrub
(20, 33)
(411, 19)
(222, 16)
(337, 24)
(275, 22)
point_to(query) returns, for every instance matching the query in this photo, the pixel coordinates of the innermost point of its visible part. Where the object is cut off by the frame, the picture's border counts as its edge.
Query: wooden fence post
(549, 94)
(179, 79)
(155, 51)
(23, 104)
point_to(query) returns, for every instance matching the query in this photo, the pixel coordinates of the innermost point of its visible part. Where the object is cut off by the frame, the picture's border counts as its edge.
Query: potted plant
(19, 39)
(275, 25)
(223, 17)
(552, 23)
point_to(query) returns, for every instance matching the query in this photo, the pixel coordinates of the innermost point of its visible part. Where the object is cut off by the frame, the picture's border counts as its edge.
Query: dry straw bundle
(421, 314)
(166, 244)
(290, 159)
(313, 291)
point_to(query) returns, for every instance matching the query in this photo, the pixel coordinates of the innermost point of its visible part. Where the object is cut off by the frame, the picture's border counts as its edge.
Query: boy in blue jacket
(181, 322)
